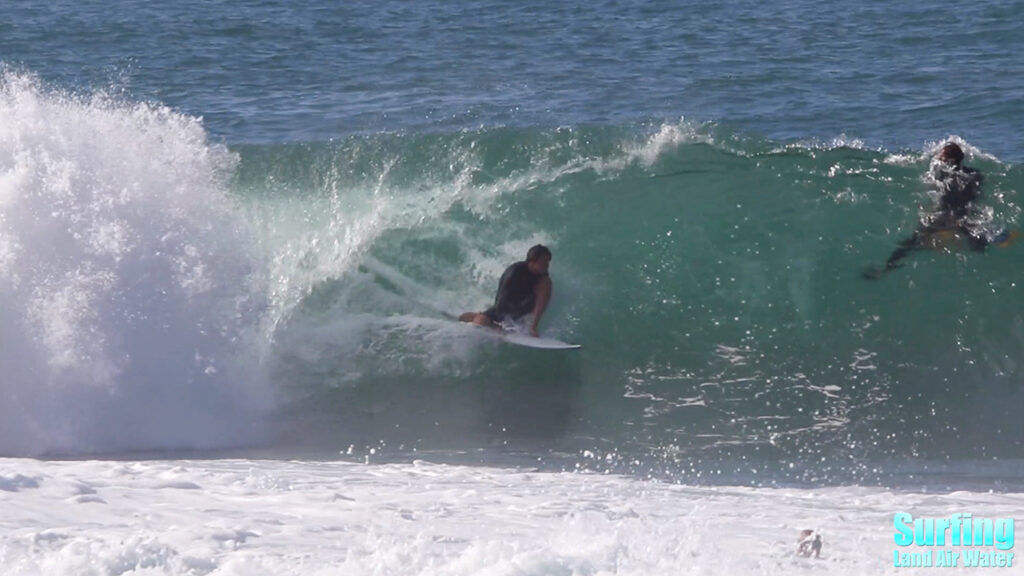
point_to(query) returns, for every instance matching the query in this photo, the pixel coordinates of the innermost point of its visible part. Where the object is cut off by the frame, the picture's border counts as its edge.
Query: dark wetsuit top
(959, 187)
(516, 293)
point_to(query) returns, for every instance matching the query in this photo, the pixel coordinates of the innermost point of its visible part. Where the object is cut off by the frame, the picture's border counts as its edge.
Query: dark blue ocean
(244, 226)
(890, 76)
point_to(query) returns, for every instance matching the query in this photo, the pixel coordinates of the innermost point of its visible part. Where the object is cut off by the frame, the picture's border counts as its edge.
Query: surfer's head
(951, 154)
(538, 258)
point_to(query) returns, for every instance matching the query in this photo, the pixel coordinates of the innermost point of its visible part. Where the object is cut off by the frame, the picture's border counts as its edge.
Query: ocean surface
(233, 236)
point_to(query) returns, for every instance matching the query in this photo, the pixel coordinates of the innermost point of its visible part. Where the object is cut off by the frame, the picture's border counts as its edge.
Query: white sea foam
(126, 291)
(249, 517)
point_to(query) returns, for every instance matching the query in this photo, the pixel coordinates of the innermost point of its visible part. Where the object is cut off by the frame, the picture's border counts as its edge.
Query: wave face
(714, 280)
(160, 291)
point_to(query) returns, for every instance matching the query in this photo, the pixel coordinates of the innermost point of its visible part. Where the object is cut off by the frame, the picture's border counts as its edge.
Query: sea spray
(128, 290)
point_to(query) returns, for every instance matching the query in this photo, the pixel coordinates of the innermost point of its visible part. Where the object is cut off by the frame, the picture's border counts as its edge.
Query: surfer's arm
(904, 248)
(542, 294)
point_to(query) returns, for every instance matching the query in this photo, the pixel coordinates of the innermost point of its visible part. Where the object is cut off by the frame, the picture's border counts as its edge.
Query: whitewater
(257, 516)
(233, 238)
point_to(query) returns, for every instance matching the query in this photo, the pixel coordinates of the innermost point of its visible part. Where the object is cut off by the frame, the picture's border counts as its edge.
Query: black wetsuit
(516, 293)
(960, 187)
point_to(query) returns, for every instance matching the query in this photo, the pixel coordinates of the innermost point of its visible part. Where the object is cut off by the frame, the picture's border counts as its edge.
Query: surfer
(524, 288)
(809, 543)
(959, 187)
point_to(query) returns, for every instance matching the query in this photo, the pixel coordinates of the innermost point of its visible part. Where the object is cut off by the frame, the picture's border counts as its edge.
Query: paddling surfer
(960, 187)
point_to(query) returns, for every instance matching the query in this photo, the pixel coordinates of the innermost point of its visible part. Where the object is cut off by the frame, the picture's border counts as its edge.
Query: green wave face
(715, 282)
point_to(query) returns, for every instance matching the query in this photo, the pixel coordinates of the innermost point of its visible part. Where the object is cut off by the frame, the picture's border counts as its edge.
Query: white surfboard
(515, 336)
(521, 339)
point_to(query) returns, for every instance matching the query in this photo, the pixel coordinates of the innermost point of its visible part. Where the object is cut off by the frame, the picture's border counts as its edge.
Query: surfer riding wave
(524, 288)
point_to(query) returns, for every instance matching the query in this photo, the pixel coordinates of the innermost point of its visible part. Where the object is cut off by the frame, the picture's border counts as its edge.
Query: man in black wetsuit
(959, 187)
(524, 288)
